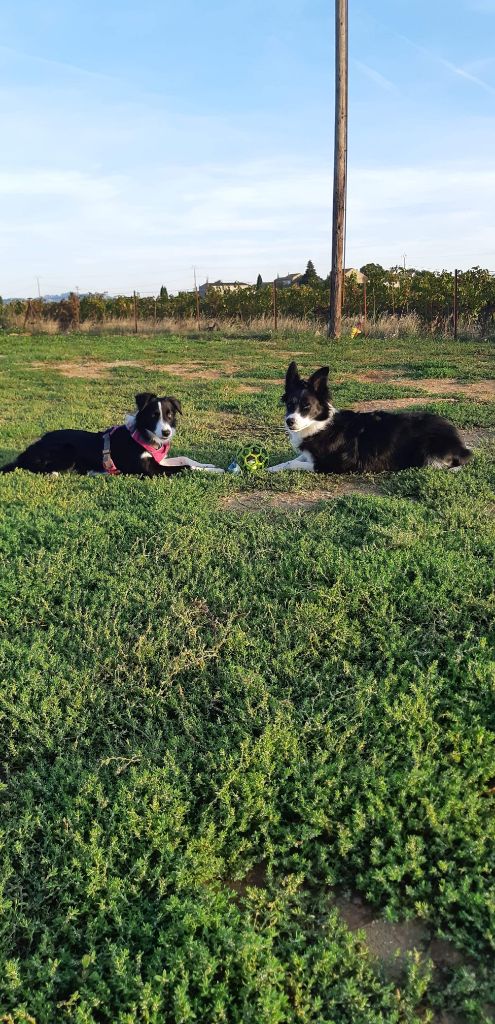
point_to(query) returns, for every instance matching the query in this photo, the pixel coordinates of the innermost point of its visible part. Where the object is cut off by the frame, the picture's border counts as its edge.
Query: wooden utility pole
(339, 168)
(135, 314)
(275, 307)
(456, 301)
(365, 306)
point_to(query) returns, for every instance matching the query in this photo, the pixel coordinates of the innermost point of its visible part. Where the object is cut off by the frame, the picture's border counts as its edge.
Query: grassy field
(241, 718)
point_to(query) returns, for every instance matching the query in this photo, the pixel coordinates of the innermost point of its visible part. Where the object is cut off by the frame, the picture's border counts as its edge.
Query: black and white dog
(328, 440)
(140, 447)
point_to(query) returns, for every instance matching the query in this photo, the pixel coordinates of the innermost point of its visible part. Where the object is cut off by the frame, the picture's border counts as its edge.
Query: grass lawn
(240, 719)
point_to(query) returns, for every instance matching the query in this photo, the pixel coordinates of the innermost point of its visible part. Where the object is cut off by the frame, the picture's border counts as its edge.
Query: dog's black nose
(290, 421)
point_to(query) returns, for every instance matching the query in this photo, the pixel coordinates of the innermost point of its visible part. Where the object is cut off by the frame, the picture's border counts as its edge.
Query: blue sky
(139, 140)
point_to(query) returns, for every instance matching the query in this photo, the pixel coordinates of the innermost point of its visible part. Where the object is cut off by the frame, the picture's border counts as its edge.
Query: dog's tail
(9, 467)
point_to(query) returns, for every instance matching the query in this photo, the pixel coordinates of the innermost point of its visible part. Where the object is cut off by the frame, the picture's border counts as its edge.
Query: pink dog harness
(158, 451)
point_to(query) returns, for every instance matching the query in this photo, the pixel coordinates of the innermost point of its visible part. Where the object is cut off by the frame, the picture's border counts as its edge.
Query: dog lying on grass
(329, 440)
(139, 447)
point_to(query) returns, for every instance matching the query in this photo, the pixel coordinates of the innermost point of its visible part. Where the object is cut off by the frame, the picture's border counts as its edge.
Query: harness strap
(158, 451)
(108, 463)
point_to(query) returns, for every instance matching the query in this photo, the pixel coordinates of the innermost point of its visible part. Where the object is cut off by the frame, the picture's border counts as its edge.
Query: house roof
(227, 284)
(358, 274)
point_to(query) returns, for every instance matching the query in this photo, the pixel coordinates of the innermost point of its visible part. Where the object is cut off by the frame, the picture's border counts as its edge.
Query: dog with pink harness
(140, 447)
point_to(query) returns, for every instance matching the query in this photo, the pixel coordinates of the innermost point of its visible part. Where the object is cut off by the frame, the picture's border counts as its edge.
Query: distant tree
(353, 296)
(259, 283)
(310, 277)
(163, 292)
(377, 288)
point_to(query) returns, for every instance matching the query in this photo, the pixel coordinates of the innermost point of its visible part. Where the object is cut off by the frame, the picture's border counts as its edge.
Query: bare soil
(480, 390)
(97, 370)
(477, 437)
(388, 942)
(195, 371)
(377, 405)
(369, 376)
(91, 369)
(288, 501)
(260, 386)
(255, 879)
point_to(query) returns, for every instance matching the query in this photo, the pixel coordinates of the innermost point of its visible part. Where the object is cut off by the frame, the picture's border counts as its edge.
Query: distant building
(222, 287)
(287, 281)
(357, 274)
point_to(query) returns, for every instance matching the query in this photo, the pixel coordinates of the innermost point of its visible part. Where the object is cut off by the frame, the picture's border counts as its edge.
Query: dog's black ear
(143, 399)
(318, 381)
(176, 404)
(292, 378)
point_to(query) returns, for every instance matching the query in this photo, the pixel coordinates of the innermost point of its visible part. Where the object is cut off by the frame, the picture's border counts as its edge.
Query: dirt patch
(96, 370)
(445, 954)
(288, 501)
(448, 1018)
(387, 404)
(194, 371)
(255, 879)
(480, 390)
(91, 369)
(260, 386)
(287, 355)
(478, 437)
(370, 376)
(389, 942)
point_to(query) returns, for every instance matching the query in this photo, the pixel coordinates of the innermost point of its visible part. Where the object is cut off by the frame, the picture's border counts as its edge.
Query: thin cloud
(453, 68)
(234, 221)
(476, 67)
(70, 184)
(73, 69)
(375, 76)
(462, 73)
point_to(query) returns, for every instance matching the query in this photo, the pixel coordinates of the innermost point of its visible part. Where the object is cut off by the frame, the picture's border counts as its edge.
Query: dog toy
(251, 458)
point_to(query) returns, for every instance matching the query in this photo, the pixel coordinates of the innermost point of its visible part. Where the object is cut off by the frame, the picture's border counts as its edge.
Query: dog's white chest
(295, 439)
